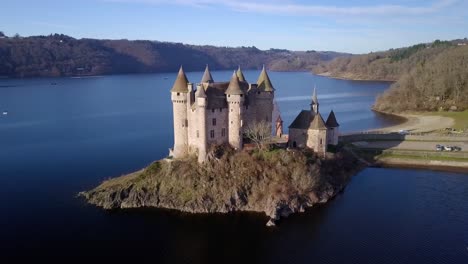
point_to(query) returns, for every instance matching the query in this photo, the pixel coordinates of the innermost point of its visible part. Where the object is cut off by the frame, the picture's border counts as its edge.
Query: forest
(61, 55)
(440, 83)
(428, 77)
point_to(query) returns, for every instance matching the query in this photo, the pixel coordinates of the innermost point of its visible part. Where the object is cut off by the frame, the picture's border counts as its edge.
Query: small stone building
(311, 131)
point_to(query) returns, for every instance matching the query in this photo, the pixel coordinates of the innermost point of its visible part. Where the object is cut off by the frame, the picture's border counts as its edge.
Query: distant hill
(386, 65)
(431, 76)
(439, 83)
(61, 55)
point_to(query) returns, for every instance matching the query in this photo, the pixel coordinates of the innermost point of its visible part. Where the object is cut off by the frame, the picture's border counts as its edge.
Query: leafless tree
(259, 133)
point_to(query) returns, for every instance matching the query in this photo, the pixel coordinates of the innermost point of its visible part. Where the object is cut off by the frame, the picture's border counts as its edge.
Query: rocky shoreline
(277, 183)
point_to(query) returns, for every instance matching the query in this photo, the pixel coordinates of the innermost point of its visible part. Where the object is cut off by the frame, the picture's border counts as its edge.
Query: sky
(356, 26)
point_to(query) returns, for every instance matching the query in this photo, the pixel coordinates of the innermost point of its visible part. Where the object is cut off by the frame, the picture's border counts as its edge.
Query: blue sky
(357, 26)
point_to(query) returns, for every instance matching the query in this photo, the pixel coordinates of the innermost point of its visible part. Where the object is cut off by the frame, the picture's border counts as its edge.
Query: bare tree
(259, 133)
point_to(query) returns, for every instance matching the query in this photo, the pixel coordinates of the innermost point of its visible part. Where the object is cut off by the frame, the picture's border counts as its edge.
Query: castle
(309, 129)
(214, 113)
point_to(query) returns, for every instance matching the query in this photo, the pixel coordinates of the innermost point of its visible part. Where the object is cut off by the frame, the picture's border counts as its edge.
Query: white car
(403, 132)
(448, 148)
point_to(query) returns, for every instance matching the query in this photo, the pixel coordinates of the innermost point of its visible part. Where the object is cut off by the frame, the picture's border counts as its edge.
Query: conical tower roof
(331, 120)
(264, 82)
(318, 123)
(181, 82)
(240, 75)
(207, 78)
(201, 92)
(234, 87)
(279, 120)
(314, 96)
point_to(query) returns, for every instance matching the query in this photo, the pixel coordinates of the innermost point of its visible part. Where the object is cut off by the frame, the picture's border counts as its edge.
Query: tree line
(61, 55)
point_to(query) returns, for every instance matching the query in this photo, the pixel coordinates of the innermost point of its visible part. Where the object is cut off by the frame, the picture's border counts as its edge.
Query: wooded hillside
(440, 83)
(61, 55)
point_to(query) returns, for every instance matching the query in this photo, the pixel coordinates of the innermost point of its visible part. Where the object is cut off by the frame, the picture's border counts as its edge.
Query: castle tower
(264, 97)
(179, 96)
(279, 127)
(240, 75)
(235, 99)
(333, 129)
(317, 135)
(314, 105)
(207, 78)
(201, 104)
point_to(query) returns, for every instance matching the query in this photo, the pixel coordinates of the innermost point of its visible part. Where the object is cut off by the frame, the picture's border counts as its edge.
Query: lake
(65, 135)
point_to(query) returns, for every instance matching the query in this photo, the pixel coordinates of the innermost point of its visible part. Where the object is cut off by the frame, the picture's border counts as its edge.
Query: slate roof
(318, 123)
(264, 82)
(234, 86)
(240, 75)
(305, 120)
(302, 120)
(331, 120)
(181, 82)
(201, 92)
(207, 78)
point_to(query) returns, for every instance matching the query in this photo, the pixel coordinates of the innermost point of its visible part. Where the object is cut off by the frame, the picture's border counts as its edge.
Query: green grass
(460, 118)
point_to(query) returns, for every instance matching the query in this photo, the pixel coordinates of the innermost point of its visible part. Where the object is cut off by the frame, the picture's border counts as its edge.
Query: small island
(226, 158)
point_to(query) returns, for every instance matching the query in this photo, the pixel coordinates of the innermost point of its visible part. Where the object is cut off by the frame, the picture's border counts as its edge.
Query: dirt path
(420, 123)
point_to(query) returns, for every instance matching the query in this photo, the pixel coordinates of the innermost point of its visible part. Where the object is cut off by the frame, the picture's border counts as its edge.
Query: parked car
(439, 148)
(448, 148)
(456, 148)
(403, 132)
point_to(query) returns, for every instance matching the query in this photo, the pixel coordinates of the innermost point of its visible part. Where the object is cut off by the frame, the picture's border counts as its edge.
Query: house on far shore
(311, 131)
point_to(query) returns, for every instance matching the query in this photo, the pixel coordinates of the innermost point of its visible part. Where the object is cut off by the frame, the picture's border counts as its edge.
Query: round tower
(201, 112)
(179, 97)
(235, 99)
(264, 97)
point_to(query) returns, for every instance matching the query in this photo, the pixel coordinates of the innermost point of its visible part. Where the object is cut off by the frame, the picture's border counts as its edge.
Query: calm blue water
(60, 139)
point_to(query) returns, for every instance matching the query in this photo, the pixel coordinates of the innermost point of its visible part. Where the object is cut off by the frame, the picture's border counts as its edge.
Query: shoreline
(408, 163)
(416, 122)
(327, 74)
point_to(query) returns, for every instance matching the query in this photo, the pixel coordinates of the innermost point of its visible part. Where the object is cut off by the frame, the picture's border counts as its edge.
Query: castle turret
(240, 75)
(279, 127)
(264, 97)
(207, 78)
(201, 134)
(235, 99)
(179, 95)
(333, 129)
(317, 134)
(314, 105)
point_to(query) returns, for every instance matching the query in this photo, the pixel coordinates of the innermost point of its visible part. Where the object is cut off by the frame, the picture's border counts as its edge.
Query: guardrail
(363, 136)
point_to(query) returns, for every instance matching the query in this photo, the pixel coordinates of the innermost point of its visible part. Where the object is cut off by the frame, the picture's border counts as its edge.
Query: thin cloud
(291, 8)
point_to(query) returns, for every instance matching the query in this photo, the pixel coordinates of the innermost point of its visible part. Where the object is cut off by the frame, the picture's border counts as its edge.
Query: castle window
(258, 92)
(246, 107)
(186, 123)
(211, 133)
(223, 132)
(214, 121)
(212, 110)
(198, 134)
(321, 142)
(241, 95)
(178, 94)
(220, 110)
(232, 109)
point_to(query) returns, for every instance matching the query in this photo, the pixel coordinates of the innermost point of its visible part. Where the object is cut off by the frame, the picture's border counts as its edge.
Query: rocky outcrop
(278, 183)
